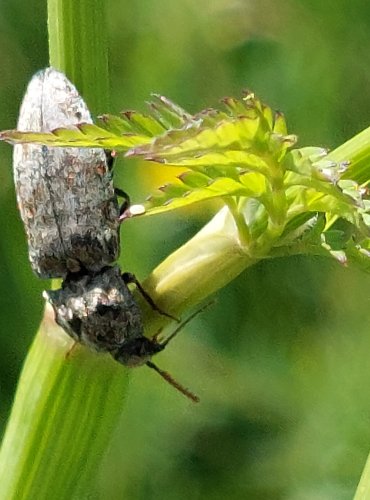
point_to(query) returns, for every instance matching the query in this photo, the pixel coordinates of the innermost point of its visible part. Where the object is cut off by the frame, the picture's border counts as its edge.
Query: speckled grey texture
(65, 195)
(99, 311)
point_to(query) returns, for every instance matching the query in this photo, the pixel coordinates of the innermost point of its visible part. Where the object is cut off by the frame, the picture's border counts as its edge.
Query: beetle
(71, 215)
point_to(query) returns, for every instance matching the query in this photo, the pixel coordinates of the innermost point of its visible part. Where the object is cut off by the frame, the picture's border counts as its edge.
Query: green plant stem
(203, 265)
(57, 430)
(357, 151)
(240, 221)
(78, 47)
(363, 489)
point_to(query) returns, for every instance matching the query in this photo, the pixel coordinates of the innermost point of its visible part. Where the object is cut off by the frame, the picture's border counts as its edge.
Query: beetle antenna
(165, 375)
(168, 378)
(185, 322)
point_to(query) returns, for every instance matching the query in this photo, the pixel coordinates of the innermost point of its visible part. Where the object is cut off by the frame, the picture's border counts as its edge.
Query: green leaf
(243, 156)
(143, 124)
(171, 196)
(194, 187)
(84, 136)
(117, 125)
(168, 113)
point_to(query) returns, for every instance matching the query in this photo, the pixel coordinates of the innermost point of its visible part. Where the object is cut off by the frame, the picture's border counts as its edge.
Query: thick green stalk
(203, 265)
(363, 489)
(357, 151)
(78, 47)
(60, 422)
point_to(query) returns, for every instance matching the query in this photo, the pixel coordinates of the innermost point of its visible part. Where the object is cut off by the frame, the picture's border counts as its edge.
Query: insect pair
(71, 215)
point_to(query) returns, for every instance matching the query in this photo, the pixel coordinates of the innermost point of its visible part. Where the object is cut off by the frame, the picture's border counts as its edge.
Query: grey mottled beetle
(65, 195)
(71, 215)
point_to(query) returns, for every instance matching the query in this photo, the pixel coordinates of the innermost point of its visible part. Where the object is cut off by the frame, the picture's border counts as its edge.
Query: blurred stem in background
(78, 46)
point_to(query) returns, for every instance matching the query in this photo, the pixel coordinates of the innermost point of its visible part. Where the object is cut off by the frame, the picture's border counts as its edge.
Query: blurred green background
(281, 362)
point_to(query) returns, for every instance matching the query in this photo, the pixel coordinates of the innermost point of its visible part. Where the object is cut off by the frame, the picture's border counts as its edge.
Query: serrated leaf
(90, 130)
(86, 136)
(303, 199)
(216, 189)
(115, 124)
(194, 179)
(303, 227)
(208, 118)
(143, 124)
(292, 180)
(255, 183)
(268, 116)
(191, 143)
(226, 163)
(279, 126)
(169, 114)
(248, 106)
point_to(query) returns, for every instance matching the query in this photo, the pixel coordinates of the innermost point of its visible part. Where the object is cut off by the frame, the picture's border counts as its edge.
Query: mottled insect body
(97, 310)
(65, 195)
(71, 215)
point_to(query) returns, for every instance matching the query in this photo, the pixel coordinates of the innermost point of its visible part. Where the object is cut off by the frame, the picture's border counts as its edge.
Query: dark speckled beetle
(65, 195)
(71, 215)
